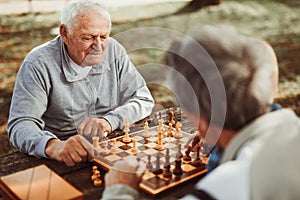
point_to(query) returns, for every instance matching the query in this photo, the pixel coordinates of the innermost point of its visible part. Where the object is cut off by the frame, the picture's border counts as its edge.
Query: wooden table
(79, 175)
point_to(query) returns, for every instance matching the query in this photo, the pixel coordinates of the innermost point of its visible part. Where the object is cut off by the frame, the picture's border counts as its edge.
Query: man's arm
(29, 102)
(25, 126)
(135, 100)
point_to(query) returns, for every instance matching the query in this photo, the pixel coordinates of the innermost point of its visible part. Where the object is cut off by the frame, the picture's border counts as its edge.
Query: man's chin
(91, 62)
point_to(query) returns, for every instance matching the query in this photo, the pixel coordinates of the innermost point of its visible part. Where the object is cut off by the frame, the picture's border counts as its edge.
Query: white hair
(76, 7)
(248, 69)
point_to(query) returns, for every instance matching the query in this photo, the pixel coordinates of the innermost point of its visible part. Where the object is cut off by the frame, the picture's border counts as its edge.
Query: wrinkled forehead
(96, 9)
(91, 21)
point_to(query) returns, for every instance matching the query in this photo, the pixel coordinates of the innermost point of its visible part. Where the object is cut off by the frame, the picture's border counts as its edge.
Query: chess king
(80, 83)
(233, 79)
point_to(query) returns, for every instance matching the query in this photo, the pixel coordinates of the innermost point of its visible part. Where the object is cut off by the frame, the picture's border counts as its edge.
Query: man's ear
(63, 30)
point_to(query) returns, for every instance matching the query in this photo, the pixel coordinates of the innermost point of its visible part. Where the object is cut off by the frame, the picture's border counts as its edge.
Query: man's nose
(97, 43)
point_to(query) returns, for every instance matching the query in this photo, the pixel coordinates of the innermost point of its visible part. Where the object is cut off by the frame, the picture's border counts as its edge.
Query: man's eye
(87, 38)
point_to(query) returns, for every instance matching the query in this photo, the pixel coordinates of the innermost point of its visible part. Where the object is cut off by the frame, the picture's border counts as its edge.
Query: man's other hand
(74, 150)
(94, 127)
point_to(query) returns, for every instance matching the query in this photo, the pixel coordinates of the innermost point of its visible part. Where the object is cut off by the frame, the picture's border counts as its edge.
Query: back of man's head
(247, 68)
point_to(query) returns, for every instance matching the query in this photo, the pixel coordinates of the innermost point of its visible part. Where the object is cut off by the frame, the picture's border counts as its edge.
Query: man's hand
(74, 150)
(94, 127)
(195, 140)
(128, 172)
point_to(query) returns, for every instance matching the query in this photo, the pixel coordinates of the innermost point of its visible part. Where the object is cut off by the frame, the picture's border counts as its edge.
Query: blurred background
(25, 24)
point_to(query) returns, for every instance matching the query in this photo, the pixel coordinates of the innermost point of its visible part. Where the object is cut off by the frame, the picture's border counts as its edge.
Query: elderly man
(234, 81)
(82, 83)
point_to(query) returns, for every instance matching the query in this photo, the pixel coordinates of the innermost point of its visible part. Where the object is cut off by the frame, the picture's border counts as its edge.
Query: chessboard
(37, 183)
(157, 162)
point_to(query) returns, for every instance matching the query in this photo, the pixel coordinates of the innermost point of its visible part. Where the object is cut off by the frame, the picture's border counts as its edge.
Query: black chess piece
(171, 118)
(178, 170)
(197, 162)
(157, 169)
(178, 153)
(167, 172)
(187, 158)
(149, 165)
(167, 158)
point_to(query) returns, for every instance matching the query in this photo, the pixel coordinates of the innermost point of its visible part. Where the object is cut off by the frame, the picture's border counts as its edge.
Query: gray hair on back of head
(248, 69)
(76, 7)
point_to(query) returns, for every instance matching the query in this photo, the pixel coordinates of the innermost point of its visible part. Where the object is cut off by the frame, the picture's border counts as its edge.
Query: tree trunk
(195, 5)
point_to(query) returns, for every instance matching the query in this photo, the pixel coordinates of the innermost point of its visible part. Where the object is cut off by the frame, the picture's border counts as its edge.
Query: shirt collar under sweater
(80, 72)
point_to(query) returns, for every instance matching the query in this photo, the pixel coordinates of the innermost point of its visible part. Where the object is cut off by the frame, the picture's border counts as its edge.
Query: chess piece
(146, 133)
(171, 117)
(96, 142)
(97, 182)
(134, 149)
(96, 178)
(160, 134)
(167, 172)
(126, 138)
(149, 166)
(96, 174)
(178, 153)
(170, 130)
(197, 162)
(157, 169)
(160, 125)
(178, 133)
(178, 170)
(169, 143)
(113, 148)
(187, 158)
(94, 168)
(167, 158)
(159, 145)
(105, 149)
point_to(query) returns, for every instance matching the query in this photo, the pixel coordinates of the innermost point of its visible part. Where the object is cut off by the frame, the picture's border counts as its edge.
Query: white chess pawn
(146, 133)
(134, 149)
(113, 148)
(105, 149)
(178, 133)
(126, 138)
(160, 125)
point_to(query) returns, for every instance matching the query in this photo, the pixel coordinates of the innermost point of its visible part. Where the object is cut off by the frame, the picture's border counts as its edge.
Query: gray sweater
(49, 100)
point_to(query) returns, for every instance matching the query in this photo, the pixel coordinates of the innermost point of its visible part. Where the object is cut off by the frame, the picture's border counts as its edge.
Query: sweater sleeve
(29, 102)
(135, 100)
(120, 192)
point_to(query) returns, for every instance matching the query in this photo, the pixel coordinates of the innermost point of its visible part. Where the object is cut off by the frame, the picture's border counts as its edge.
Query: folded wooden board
(37, 183)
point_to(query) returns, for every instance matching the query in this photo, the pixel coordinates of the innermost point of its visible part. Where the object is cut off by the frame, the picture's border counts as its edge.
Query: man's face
(87, 43)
